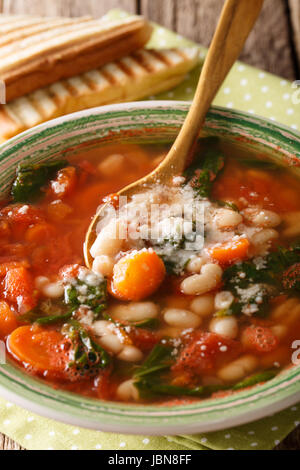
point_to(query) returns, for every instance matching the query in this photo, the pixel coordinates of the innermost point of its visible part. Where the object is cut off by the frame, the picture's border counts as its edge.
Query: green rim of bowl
(147, 122)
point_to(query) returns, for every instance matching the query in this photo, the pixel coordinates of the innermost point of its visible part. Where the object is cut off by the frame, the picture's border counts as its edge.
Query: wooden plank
(268, 46)
(163, 12)
(66, 7)
(295, 20)
(97, 9)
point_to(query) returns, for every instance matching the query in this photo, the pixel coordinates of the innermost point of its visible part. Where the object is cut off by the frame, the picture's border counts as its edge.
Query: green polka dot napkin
(247, 89)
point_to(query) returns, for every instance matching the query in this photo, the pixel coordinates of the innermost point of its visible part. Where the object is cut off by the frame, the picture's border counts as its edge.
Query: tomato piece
(104, 385)
(291, 277)
(87, 167)
(228, 253)
(38, 348)
(143, 339)
(8, 320)
(19, 289)
(50, 257)
(69, 271)
(65, 182)
(260, 339)
(203, 352)
(5, 230)
(138, 275)
(39, 233)
(20, 217)
(58, 210)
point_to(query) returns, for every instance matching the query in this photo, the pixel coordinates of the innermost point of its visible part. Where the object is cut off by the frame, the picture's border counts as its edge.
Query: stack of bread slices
(50, 67)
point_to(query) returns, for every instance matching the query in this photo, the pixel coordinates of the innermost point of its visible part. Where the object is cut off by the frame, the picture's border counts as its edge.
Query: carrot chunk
(138, 275)
(19, 289)
(8, 321)
(6, 266)
(231, 252)
(37, 347)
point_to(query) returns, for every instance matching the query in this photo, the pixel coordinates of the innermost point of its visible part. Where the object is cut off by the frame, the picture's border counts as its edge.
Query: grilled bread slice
(143, 73)
(32, 56)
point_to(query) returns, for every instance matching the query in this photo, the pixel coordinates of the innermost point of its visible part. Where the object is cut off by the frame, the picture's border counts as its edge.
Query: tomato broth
(184, 314)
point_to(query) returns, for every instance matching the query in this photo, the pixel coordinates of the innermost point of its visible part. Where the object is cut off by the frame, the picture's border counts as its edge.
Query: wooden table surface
(274, 45)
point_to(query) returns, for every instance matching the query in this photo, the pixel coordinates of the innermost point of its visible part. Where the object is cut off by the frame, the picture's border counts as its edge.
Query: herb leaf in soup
(267, 165)
(159, 359)
(205, 169)
(255, 286)
(256, 379)
(86, 355)
(31, 178)
(81, 292)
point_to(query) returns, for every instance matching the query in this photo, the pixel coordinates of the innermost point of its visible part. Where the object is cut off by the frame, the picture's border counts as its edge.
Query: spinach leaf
(280, 273)
(31, 178)
(48, 312)
(204, 171)
(149, 388)
(86, 354)
(150, 324)
(207, 165)
(228, 205)
(52, 319)
(151, 378)
(257, 163)
(93, 296)
(159, 359)
(256, 379)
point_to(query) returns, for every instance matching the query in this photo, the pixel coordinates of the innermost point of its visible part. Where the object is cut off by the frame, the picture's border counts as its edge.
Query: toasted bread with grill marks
(33, 55)
(143, 73)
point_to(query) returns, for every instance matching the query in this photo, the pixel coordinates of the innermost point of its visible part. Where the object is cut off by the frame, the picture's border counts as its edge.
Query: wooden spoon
(237, 20)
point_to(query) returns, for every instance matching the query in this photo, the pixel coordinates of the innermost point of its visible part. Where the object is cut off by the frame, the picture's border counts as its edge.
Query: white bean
(210, 380)
(111, 165)
(130, 354)
(264, 236)
(262, 218)
(110, 240)
(135, 311)
(208, 280)
(41, 281)
(170, 331)
(226, 326)
(280, 331)
(283, 310)
(53, 290)
(239, 369)
(102, 328)
(182, 318)
(226, 218)
(223, 300)
(127, 391)
(103, 265)
(195, 264)
(291, 225)
(203, 305)
(111, 343)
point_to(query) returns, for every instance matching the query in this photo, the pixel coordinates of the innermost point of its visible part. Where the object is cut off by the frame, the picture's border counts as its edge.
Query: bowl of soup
(188, 318)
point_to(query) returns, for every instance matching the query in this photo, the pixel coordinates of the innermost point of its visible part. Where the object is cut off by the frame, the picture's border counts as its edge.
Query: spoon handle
(237, 20)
